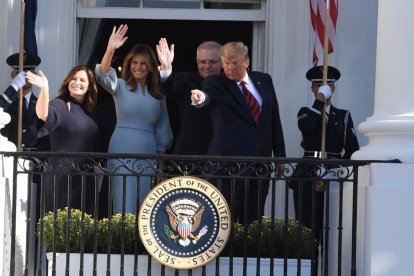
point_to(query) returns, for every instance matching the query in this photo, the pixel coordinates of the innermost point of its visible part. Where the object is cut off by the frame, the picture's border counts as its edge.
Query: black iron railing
(254, 236)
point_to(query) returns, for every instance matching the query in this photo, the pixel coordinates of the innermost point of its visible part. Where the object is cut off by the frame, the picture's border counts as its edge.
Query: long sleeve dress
(71, 129)
(142, 127)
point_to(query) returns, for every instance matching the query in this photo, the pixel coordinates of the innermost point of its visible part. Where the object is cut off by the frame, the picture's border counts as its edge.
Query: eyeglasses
(210, 62)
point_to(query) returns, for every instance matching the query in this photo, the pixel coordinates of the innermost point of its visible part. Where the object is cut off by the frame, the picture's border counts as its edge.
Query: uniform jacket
(30, 122)
(234, 131)
(340, 132)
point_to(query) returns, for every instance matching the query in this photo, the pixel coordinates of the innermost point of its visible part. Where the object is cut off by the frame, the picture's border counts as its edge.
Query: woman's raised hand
(39, 80)
(117, 38)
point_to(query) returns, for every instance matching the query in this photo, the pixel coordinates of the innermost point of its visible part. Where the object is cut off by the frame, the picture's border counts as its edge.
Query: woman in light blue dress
(142, 119)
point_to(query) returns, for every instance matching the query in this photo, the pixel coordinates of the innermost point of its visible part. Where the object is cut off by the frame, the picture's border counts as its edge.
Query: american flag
(318, 12)
(30, 44)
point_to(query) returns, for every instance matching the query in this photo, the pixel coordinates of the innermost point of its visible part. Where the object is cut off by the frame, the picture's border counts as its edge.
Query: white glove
(325, 90)
(19, 81)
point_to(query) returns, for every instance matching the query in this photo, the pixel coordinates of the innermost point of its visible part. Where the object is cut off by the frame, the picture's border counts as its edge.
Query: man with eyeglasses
(10, 104)
(246, 122)
(195, 129)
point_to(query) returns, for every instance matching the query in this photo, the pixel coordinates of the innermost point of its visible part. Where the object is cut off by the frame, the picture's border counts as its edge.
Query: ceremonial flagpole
(21, 62)
(325, 76)
(322, 184)
(19, 143)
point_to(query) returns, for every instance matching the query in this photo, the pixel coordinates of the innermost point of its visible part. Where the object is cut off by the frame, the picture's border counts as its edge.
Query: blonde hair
(235, 47)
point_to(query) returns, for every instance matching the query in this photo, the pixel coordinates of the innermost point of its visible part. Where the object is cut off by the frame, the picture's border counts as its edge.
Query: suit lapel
(237, 95)
(256, 84)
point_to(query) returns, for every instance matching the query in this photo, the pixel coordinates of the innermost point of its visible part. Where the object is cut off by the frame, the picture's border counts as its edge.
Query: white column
(6, 177)
(389, 220)
(6, 197)
(390, 130)
(388, 209)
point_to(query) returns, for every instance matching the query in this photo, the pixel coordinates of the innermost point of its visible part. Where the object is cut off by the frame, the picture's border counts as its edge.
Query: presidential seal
(184, 222)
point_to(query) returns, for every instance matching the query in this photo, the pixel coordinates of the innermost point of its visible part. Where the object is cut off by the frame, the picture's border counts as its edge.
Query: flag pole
(325, 77)
(21, 59)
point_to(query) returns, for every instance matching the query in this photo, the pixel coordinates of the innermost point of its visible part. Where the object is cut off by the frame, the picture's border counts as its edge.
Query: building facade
(373, 52)
(281, 44)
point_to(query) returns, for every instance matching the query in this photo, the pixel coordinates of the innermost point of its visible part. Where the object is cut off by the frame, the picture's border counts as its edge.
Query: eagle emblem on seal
(184, 216)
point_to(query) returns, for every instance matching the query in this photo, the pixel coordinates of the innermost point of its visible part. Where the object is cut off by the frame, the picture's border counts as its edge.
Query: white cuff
(164, 74)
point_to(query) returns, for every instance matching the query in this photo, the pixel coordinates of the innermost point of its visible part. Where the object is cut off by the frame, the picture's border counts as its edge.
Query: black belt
(318, 154)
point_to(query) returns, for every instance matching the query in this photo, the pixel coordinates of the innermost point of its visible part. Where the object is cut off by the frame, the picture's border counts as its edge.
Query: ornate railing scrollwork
(265, 168)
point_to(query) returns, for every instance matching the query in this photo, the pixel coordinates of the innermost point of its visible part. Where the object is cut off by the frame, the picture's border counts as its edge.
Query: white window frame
(257, 16)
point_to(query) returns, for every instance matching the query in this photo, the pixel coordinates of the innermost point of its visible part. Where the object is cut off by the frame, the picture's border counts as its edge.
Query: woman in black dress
(67, 120)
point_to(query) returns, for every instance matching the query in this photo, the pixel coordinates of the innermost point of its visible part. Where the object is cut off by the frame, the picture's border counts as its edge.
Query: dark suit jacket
(234, 131)
(195, 128)
(30, 123)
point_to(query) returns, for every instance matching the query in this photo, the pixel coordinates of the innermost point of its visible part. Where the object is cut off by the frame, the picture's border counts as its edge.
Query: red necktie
(252, 103)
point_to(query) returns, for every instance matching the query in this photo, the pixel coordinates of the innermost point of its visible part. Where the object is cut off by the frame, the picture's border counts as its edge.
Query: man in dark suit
(341, 142)
(10, 103)
(195, 128)
(246, 122)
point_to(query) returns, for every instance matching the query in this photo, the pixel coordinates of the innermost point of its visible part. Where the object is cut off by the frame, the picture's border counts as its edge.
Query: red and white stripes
(318, 10)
